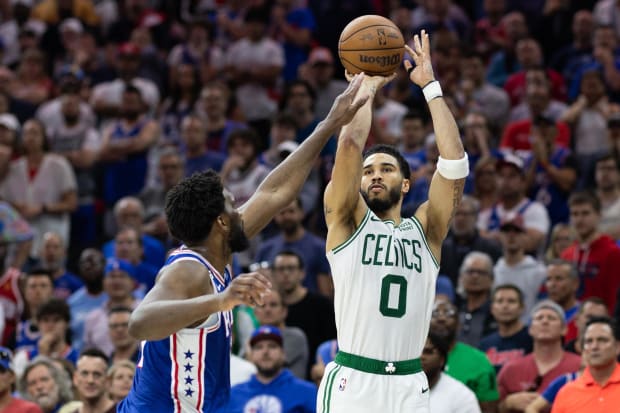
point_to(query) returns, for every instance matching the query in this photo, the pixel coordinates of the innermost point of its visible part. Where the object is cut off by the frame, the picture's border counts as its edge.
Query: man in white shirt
(447, 395)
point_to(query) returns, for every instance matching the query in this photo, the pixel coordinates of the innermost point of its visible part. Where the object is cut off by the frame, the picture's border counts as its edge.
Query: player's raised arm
(284, 183)
(446, 187)
(344, 206)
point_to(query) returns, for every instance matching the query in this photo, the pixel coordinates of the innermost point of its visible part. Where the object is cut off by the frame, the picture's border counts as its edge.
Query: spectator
(464, 238)
(607, 177)
(387, 119)
(414, 130)
(125, 146)
(504, 62)
(562, 283)
(53, 259)
(38, 289)
(513, 202)
(53, 318)
(324, 355)
(319, 72)
(520, 380)
(42, 186)
(128, 247)
(511, 341)
(254, 64)
(515, 266)
(170, 169)
(91, 296)
(31, 84)
(118, 284)
(475, 93)
(294, 236)
(8, 403)
(590, 307)
(273, 312)
(283, 133)
(91, 383)
(310, 311)
(544, 401)
(107, 97)
(272, 384)
(485, 183)
(562, 235)
(120, 376)
(46, 385)
(213, 108)
(447, 395)
(466, 364)
(129, 212)
(185, 90)
(475, 281)
(298, 102)
(597, 388)
(551, 172)
(125, 346)
(52, 12)
(595, 255)
(197, 157)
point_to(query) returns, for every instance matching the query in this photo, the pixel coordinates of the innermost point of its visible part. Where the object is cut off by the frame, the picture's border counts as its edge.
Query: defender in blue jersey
(185, 320)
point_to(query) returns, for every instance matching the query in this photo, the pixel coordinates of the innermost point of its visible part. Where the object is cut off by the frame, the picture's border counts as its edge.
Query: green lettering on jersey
(378, 249)
(405, 260)
(387, 252)
(416, 247)
(399, 282)
(368, 237)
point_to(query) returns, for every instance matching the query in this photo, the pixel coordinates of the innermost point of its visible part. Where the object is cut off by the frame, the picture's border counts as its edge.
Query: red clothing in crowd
(11, 301)
(515, 87)
(598, 265)
(517, 135)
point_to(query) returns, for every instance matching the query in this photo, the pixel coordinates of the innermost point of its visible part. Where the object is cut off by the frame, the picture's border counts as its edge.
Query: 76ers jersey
(190, 370)
(384, 282)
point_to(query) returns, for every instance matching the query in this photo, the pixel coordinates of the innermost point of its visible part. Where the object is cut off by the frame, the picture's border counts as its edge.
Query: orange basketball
(371, 44)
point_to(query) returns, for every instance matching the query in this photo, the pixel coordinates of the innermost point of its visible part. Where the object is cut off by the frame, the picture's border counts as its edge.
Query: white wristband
(432, 90)
(453, 168)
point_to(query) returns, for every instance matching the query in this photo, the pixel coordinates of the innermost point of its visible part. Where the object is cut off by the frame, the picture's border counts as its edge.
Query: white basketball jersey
(384, 278)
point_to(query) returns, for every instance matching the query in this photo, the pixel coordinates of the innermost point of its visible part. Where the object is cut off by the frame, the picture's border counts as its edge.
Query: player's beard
(237, 240)
(382, 205)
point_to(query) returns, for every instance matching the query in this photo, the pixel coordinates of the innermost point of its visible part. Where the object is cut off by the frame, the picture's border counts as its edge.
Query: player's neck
(219, 261)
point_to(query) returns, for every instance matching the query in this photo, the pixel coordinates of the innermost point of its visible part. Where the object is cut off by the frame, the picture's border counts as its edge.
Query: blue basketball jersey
(189, 371)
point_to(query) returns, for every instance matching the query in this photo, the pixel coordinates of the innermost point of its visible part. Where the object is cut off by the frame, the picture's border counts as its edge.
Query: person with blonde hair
(120, 377)
(562, 236)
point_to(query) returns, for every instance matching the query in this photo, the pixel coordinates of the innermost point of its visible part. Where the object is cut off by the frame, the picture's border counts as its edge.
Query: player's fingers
(348, 75)
(407, 65)
(355, 84)
(416, 44)
(426, 48)
(410, 50)
(359, 102)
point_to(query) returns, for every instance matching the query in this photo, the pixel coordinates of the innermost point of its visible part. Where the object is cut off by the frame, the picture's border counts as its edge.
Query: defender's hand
(422, 74)
(347, 103)
(246, 289)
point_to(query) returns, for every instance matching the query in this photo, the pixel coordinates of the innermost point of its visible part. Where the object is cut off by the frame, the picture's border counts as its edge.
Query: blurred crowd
(105, 105)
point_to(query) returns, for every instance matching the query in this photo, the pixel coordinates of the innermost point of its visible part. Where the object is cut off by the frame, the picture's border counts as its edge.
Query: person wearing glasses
(8, 403)
(520, 381)
(464, 362)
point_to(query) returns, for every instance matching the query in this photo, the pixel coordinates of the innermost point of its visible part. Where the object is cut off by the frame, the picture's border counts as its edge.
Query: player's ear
(406, 186)
(222, 222)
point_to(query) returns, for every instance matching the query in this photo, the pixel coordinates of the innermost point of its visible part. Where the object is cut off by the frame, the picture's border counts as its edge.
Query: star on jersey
(188, 355)
(188, 367)
(189, 380)
(189, 392)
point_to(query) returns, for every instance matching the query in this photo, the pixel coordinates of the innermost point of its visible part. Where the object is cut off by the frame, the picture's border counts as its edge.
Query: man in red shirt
(596, 256)
(8, 403)
(598, 388)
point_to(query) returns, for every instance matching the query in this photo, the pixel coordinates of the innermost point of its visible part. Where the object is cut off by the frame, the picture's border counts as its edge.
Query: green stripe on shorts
(329, 395)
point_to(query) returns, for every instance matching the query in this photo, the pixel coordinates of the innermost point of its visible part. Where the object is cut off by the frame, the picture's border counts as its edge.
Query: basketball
(371, 44)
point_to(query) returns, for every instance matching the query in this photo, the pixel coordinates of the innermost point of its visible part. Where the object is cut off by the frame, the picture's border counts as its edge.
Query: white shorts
(346, 390)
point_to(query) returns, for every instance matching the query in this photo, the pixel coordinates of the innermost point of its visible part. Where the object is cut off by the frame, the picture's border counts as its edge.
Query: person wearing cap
(515, 266)
(521, 380)
(319, 72)
(118, 283)
(514, 202)
(272, 385)
(9, 403)
(551, 170)
(596, 255)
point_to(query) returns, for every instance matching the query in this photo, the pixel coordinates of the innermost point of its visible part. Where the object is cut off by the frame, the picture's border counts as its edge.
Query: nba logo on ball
(343, 384)
(371, 44)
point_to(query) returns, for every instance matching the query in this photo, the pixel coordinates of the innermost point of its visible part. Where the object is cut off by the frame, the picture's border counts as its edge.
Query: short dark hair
(95, 352)
(403, 165)
(298, 82)
(289, 253)
(193, 205)
(585, 197)
(55, 306)
(441, 344)
(608, 156)
(41, 272)
(593, 300)
(245, 134)
(603, 320)
(284, 120)
(119, 309)
(508, 287)
(415, 114)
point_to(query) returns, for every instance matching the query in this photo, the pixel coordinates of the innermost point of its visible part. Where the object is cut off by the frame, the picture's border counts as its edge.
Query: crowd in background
(105, 105)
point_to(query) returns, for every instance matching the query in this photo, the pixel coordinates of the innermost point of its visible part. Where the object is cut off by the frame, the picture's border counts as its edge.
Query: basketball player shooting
(185, 320)
(384, 267)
